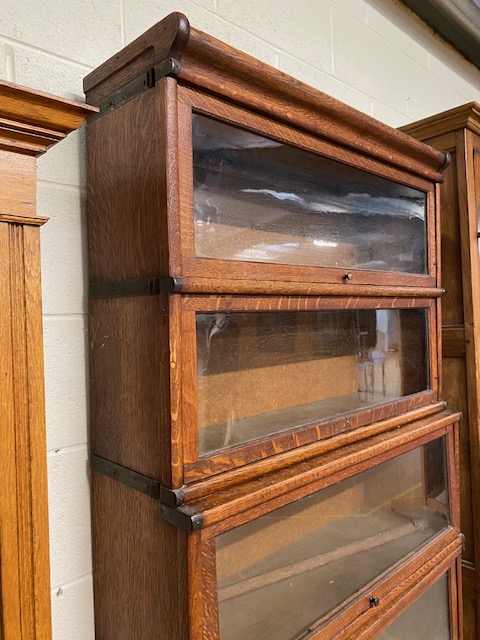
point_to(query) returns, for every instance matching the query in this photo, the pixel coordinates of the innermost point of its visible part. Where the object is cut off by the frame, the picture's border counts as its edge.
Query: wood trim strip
(308, 477)
(226, 303)
(37, 527)
(35, 221)
(10, 618)
(280, 461)
(308, 288)
(237, 116)
(272, 445)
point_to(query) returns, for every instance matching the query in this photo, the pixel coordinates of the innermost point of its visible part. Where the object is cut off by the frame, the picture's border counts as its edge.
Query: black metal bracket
(169, 497)
(183, 518)
(132, 89)
(137, 287)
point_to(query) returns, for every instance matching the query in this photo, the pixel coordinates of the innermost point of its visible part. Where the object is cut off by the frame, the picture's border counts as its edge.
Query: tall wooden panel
(458, 132)
(30, 122)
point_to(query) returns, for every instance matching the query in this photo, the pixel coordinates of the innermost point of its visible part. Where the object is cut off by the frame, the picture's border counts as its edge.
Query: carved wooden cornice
(172, 47)
(31, 121)
(467, 116)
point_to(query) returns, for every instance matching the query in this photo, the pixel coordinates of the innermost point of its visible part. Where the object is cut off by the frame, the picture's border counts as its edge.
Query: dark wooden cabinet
(458, 132)
(271, 454)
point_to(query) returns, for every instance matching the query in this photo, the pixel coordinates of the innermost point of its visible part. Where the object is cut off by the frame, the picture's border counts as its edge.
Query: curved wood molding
(467, 116)
(30, 122)
(210, 65)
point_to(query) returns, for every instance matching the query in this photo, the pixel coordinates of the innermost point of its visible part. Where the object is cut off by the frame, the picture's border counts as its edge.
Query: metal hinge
(169, 497)
(136, 287)
(132, 89)
(182, 517)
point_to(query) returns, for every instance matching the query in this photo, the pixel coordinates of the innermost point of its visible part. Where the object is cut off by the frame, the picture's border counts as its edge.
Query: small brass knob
(347, 276)
(374, 602)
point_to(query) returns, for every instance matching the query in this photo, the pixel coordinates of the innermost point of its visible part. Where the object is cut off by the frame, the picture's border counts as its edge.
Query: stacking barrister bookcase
(271, 456)
(458, 132)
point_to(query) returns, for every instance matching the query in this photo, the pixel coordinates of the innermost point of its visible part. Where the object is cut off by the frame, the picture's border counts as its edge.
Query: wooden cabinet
(30, 122)
(458, 132)
(271, 454)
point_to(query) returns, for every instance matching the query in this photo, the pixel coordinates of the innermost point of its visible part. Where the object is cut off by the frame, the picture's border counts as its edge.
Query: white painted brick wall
(372, 54)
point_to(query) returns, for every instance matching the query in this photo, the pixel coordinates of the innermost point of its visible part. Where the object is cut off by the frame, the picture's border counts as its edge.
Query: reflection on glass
(426, 619)
(261, 373)
(257, 200)
(280, 573)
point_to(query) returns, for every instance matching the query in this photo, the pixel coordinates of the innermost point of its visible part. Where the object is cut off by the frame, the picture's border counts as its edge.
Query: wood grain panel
(129, 383)
(38, 529)
(18, 172)
(22, 428)
(10, 618)
(457, 130)
(24, 530)
(471, 597)
(126, 204)
(140, 567)
(450, 241)
(453, 341)
(455, 395)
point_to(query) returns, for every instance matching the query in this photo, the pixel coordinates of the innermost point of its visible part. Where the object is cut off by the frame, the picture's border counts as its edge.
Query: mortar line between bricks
(65, 316)
(70, 583)
(122, 22)
(56, 452)
(62, 185)
(243, 30)
(46, 52)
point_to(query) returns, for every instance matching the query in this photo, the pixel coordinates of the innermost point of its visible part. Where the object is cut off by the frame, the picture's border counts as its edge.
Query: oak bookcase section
(458, 132)
(30, 123)
(271, 454)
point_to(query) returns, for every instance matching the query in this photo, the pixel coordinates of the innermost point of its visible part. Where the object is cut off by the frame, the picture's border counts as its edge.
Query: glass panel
(280, 573)
(426, 619)
(261, 373)
(257, 200)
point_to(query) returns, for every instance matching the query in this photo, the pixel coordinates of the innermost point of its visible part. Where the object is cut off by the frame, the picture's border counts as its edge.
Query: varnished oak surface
(466, 116)
(30, 122)
(221, 69)
(143, 362)
(269, 492)
(458, 131)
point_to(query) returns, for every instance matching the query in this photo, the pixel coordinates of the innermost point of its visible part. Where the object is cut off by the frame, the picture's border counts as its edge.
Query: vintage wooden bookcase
(271, 456)
(458, 132)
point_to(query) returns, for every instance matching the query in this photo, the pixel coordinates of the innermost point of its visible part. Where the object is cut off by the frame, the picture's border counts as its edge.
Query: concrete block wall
(372, 54)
